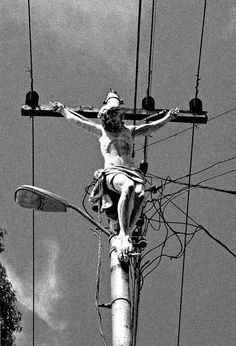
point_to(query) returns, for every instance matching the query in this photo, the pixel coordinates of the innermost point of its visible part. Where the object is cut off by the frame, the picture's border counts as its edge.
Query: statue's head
(112, 118)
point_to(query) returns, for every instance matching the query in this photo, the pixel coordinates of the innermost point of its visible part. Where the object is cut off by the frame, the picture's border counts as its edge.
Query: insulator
(143, 166)
(148, 103)
(32, 99)
(195, 106)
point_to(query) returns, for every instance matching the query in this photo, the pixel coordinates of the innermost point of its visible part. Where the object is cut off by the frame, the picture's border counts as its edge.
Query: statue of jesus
(121, 175)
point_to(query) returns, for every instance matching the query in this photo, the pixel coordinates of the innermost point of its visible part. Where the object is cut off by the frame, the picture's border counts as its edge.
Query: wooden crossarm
(91, 112)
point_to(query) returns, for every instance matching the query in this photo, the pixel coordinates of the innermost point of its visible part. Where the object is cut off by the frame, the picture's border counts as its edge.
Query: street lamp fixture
(35, 198)
(38, 199)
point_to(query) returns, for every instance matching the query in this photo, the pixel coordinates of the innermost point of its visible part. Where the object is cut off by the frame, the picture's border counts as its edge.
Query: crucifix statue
(119, 176)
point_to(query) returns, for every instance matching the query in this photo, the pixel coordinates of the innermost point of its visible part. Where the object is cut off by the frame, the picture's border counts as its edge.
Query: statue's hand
(57, 107)
(103, 110)
(174, 113)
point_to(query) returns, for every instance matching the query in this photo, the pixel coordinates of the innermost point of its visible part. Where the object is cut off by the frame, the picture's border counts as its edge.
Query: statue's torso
(116, 147)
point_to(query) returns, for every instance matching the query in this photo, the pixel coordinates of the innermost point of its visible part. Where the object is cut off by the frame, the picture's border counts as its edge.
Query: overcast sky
(80, 50)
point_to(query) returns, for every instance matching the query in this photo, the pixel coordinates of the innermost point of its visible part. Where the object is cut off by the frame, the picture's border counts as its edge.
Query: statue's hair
(114, 111)
(111, 113)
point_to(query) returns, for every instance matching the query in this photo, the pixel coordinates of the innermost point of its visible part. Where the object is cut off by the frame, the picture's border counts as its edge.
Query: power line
(150, 69)
(137, 66)
(201, 227)
(219, 175)
(200, 49)
(176, 181)
(220, 115)
(151, 47)
(136, 284)
(185, 238)
(137, 59)
(97, 233)
(189, 183)
(209, 167)
(185, 130)
(30, 47)
(33, 169)
(168, 236)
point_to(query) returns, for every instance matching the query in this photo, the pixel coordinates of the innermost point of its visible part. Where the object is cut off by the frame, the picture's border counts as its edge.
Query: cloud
(230, 29)
(76, 33)
(47, 290)
(80, 29)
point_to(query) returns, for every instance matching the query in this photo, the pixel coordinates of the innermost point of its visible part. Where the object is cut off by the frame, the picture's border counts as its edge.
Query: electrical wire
(185, 130)
(207, 168)
(189, 183)
(137, 60)
(198, 185)
(185, 238)
(217, 176)
(30, 46)
(98, 234)
(199, 226)
(208, 233)
(150, 69)
(137, 67)
(151, 47)
(157, 259)
(33, 169)
(135, 308)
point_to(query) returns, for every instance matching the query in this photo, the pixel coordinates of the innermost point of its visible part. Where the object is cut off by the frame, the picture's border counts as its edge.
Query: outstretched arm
(77, 119)
(146, 129)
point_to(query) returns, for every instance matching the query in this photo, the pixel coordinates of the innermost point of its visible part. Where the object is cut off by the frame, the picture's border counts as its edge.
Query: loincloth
(101, 194)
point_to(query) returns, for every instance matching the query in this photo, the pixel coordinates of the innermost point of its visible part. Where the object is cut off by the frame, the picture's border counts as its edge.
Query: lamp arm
(89, 218)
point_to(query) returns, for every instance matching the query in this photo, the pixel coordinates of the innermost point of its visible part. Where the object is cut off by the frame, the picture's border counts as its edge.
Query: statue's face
(112, 119)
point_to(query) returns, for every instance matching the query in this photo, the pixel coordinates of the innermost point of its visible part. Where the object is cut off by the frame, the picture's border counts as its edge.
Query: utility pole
(124, 322)
(120, 300)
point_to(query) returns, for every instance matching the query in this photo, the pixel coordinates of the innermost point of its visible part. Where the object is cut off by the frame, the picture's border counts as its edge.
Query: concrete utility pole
(123, 326)
(120, 300)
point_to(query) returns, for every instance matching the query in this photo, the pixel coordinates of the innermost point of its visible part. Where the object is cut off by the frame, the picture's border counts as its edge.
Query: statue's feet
(123, 247)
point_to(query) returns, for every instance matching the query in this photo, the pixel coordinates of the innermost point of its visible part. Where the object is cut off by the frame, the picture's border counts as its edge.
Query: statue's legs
(128, 208)
(138, 204)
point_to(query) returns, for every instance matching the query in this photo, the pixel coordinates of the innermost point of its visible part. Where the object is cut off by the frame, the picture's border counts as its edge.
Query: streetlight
(32, 197)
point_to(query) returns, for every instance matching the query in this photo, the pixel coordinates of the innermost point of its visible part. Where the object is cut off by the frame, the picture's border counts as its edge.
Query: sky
(80, 50)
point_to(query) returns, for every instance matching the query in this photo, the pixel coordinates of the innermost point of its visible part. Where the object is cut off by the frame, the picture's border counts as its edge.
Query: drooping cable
(151, 47)
(150, 67)
(163, 201)
(33, 169)
(200, 227)
(98, 234)
(30, 47)
(209, 167)
(137, 60)
(189, 128)
(189, 184)
(200, 49)
(135, 283)
(177, 180)
(137, 66)
(185, 236)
